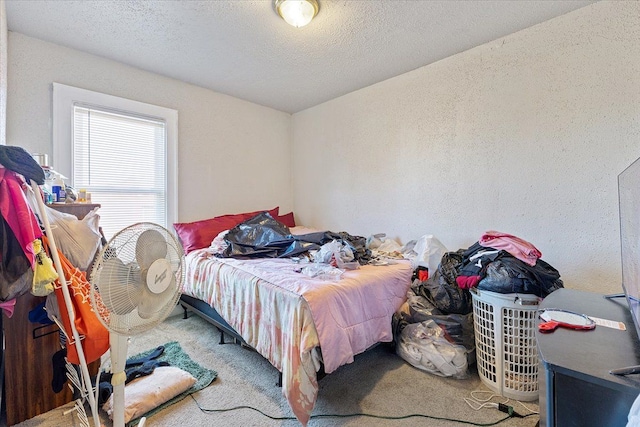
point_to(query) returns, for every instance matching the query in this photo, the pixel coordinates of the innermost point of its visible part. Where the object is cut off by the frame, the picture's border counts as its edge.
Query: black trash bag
(441, 288)
(458, 328)
(509, 275)
(261, 237)
(264, 237)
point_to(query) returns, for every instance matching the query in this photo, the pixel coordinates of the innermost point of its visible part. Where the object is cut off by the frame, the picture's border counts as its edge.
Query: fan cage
(122, 248)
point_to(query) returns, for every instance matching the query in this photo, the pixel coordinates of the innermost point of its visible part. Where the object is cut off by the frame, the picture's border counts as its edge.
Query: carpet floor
(379, 384)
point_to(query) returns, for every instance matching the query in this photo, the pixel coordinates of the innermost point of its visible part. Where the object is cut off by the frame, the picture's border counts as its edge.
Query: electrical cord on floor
(507, 409)
(477, 403)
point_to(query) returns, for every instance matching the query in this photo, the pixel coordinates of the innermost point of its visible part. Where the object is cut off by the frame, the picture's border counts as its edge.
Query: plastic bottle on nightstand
(57, 189)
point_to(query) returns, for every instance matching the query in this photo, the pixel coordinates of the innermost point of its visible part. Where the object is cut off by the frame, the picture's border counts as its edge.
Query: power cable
(504, 408)
(476, 403)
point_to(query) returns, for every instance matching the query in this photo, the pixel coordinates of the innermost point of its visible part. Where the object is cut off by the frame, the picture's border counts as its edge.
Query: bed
(300, 322)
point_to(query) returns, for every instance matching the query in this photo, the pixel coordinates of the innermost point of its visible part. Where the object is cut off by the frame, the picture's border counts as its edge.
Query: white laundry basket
(506, 349)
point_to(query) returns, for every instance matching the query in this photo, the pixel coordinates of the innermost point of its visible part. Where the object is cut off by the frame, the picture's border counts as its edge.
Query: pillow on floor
(146, 393)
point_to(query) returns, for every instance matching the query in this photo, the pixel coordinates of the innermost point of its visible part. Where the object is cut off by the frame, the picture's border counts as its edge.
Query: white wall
(524, 135)
(234, 156)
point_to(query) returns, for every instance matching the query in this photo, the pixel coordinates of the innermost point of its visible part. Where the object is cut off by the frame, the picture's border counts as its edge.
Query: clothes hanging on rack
(16, 274)
(16, 212)
(19, 229)
(8, 307)
(96, 336)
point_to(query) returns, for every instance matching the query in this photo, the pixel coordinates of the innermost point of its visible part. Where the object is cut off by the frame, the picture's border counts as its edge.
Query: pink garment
(16, 212)
(467, 282)
(8, 307)
(516, 246)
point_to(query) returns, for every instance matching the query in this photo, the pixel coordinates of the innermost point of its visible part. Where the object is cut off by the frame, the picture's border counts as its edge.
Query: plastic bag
(429, 252)
(441, 288)
(322, 272)
(78, 240)
(458, 328)
(381, 243)
(264, 237)
(424, 346)
(336, 253)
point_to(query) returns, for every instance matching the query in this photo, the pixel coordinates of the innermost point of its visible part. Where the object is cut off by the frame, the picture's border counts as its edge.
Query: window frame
(64, 99)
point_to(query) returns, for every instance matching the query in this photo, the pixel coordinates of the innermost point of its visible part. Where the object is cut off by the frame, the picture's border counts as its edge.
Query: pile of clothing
(264, 237)
(434, 331)
(23, 264)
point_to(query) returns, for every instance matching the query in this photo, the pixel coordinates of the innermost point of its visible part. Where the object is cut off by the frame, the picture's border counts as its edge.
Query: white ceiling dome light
(297, 12)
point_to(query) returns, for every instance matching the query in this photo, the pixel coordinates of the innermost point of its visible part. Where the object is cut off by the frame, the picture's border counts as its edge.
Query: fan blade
(150, 246)
(153, 304)
(118, 289)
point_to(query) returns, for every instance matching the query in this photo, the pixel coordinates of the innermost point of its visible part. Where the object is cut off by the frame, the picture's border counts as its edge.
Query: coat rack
(84, 385)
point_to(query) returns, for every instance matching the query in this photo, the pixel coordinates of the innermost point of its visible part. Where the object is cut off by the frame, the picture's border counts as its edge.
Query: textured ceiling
(243, 49)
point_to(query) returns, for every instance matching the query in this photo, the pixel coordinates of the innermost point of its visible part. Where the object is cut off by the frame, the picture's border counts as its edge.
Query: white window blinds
(121, 160)
(124, 152)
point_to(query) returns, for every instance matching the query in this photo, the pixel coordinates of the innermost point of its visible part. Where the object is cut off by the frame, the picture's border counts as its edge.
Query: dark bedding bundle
(264, 237)
(510, 275)
(19, 160)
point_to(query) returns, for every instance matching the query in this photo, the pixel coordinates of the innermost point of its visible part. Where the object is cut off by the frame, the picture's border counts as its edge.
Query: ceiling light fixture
(297, 12)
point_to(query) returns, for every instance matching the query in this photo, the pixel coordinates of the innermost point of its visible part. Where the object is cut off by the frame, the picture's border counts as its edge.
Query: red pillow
(287, 219)
(199, 234)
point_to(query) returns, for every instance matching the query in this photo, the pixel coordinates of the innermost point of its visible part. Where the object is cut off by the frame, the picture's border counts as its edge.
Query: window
(121, 151)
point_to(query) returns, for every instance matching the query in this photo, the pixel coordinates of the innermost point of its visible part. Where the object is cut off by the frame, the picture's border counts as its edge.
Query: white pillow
(146, 393)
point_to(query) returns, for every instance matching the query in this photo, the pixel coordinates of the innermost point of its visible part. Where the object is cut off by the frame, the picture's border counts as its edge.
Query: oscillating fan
(135, 284)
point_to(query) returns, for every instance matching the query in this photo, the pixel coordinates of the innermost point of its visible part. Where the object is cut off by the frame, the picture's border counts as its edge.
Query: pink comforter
(285, 314)
(349, 315)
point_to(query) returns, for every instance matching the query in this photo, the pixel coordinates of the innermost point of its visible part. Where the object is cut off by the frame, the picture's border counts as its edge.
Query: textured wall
(233, 155)
(524, 135)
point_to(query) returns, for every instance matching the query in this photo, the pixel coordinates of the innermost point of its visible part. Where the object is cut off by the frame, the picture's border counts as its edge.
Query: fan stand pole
(67, 299)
